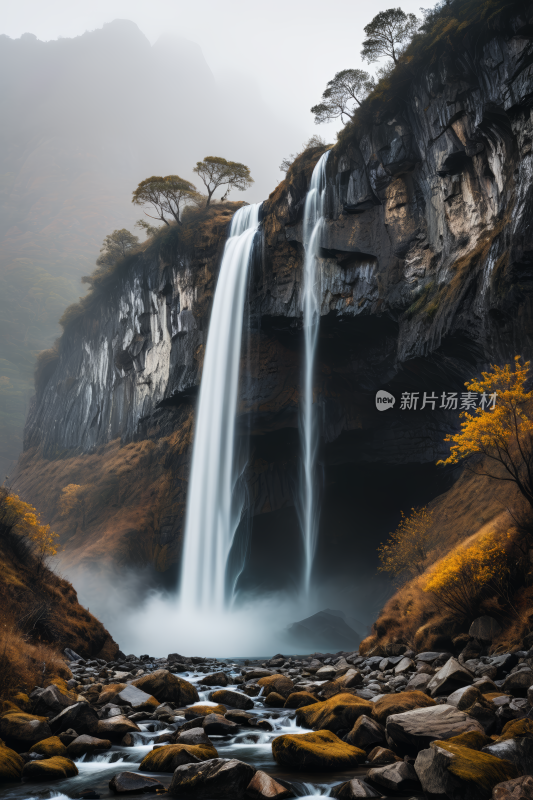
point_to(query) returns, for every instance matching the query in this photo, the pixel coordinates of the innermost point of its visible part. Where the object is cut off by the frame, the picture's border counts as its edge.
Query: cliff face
(427, 277)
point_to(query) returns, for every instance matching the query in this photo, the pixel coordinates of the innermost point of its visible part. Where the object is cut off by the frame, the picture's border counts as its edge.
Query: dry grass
(24, 665)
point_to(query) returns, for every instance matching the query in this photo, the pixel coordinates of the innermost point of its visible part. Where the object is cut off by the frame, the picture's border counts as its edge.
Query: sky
(283, 52)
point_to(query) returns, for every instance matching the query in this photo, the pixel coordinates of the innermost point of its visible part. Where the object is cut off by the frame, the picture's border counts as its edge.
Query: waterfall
(312, 228)
(212, 517)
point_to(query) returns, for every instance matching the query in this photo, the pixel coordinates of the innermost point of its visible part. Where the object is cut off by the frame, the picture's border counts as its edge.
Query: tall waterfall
(312, 228)
(212, 518)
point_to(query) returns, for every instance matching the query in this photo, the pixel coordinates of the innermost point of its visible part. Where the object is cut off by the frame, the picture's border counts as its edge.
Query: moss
(53, 746)
(203, 711)
(321, 751)
(50, 769)
(11, 764)
(398, 703)
(475, 740)
(337, 713)
(516, 729)
(481, 769)
(170, 756)
(299, 700)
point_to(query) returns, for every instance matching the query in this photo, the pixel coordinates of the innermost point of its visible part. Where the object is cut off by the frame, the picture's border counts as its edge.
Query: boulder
(80, 717)
(515, 729)
(418, 683)
(51, 701)
(350, 679)
(518, 751)
(517, 789)
(382, 755)
(203, 711)
(413, 731)
(405, 665)
(449, 678)
(473, 739)
(240, 717)
(274, 700)
(215, 679)
(264, 787)
(23, 730)
(217, 779)
(399, 702)
(168, 688)
(218, 725)
(133, 783)
(326, 673)
(110, 692)
(136, 698)
(114, 728)
(232, 699)
(87, 744)
(485, 629)
(49, 769)
(192, 736)
(354, 789)
(395, 778)
(338, 713)
(170, 756)
(53, 746)
(330, 689)
(299, 700)
(320, 751)
(517, 683)
(254, 674)
(11, 764)
(366, 734)
(277, 683)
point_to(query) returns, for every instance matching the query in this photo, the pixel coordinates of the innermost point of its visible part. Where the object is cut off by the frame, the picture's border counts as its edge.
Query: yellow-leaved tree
(502, 432)
(24, 520)
(404, 553)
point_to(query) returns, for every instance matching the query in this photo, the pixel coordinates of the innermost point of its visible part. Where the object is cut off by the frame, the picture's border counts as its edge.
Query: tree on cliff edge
(388, 34)
(166, 196)
(215, 172)
(116, 245)
(343, 94)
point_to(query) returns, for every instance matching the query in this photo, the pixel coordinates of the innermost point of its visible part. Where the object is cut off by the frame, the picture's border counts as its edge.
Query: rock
(405, 665)
(366, 734)
(398, 703)
(473, 739)
(262, 724)
(217, 725)
(518, 751)
(216, 679)
(23, 730)
(110, 693)
(264, 787)
(485, 716)
(455, 697)
(192, 736)
(114, 728)
(449, 678)
(516, 729)
(71, 655)
(49, 769)
(274, 700)
(413, 731)
(11, 764)
(485, 629)
(418, 683)
(52, 746)
(217, 779)
(503, 663)
(432, 768)
(428, 657)
(396, 778)
(353, 789)
(81, 717)
(51, 700)
(136, 698)
(320, 751)
(168, 688)
(517, 789)
(382, 755)
(170, 756)
(254, 674)
(133, 783)
(325, 673)
(277, 683)
(350, 679)
(240, 717)
(329, 689)
(517, 683)
(338, 713)
(87, 744)
(299, 700)
(232, 699)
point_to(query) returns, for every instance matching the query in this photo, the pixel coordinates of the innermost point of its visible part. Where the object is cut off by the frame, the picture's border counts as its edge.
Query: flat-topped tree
(343, 94)
(167, 196)
(215, 172)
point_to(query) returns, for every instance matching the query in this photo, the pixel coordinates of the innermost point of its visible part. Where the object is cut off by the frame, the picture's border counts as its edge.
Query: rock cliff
(427, 277)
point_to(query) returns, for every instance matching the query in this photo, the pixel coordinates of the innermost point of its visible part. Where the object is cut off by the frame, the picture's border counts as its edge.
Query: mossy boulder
(277, 683)
(171, 756)
(516, 729)
(22, 701)
(274, 700)
(109, 693)
(299, 700)
(11, 764)
(336, 714)
(114, 728)
(320, 751)
(475, 740)
(203, 711)
(53, 746)
(168, 688)
(49, 769)
(21, 730)
(398, 703)
(232, 699)
(479, 770)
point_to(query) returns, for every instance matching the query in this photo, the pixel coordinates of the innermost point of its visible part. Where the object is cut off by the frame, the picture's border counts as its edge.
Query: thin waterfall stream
(212, 513)
(308, 501)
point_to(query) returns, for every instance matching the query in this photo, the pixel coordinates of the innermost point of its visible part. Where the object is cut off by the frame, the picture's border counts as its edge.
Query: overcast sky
(283, 50)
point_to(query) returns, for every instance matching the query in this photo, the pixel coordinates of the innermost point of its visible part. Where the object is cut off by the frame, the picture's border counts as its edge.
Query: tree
(343, 94)
(24, 520)
(215, 172)
(313, 142)
(407, 548)
(501, 429)
(150, 230)
(116, 245)
(388, 34)
(167, 196)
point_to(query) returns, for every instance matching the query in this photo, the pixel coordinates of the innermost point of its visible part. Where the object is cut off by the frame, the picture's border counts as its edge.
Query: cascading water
(212, 517)
(312, 228)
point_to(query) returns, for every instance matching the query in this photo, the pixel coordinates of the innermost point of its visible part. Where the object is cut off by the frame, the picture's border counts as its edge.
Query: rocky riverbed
(341, 725)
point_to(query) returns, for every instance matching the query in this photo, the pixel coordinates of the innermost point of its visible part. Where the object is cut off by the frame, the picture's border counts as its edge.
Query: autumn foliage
(405, 552)
(25, 521)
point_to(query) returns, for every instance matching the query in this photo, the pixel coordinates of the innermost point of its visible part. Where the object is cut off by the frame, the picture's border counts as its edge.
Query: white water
(212, 517)
(312, 229)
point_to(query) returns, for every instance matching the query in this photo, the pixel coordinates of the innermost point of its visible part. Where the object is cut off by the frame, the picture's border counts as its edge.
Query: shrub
(404, 553)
